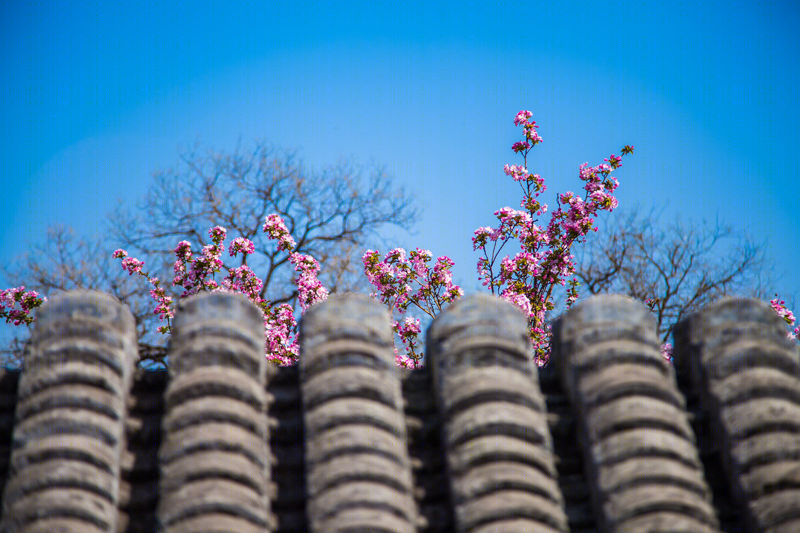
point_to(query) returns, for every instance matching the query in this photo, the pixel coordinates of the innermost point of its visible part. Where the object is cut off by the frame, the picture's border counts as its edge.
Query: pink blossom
(411, 325)
(419, 259)
(520, 300)
(614, 161)
(310, 288)
(280, 334)
(394, 279)
(17, 296)
(544, 260)
(243, 280)
(197, 274)
(521, 146)
(518, 173)
(217, 234)
(163, 309)
(780, 308)
(408, 331)
(483, 235)
(397, 254)
(132, 265)
(240, 244)
(522, 117)
(531, 135)
(572, 293)
(666, 351)
(403, 360)
(276, 229)
(508, 215)
(184, 250)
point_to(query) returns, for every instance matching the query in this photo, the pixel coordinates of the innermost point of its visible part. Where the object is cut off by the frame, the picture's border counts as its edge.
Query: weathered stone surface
(214, 459)
(358, 469)
(602, 439)
(738, 361)
(630, 411)
(68, 438)
(488, 395)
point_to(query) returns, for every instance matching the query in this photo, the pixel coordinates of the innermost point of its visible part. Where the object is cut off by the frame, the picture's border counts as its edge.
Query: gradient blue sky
(98, 96)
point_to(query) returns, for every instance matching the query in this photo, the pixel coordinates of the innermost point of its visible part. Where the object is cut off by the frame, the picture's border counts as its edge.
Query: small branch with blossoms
(544, 261)
(196, 274)
(666, 348)
(780, 307)
(17, 304)
(526, 279)
(404, 280)
(521, 261)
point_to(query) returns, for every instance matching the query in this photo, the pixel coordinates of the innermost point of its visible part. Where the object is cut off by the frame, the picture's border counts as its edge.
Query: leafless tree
(677, 267)
(333, 214)
(65, 262)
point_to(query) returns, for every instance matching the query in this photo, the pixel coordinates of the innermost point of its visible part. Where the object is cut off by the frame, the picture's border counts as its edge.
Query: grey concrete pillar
(357, 464)
(215, 464)
(498, 444)
(640, 453)
(746, 372)
(68, 437)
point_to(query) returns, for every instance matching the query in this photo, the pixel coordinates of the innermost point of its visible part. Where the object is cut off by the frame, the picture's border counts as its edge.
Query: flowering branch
(27, 302)
(197, 274)
(395, 278)
(527, 279)
(780, 307)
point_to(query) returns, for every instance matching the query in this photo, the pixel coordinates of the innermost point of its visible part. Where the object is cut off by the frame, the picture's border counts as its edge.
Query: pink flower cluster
(527, 278)
(666, 351)
(276, 229)
(402, 280)
(281, 334)
(27, 301)
(310, 289)
(196, 274)
(780, 307)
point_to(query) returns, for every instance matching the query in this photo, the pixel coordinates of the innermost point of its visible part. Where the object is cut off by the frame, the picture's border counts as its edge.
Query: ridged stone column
(68, 438)
(357, 464)
(498, 444)
(214, 457)
(747, 373)
(641, 459)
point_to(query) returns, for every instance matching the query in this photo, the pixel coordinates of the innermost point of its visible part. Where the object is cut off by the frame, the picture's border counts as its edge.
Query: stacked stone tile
(214, 461)
(68, 435)
(744, 372)
(642, 465)
(607, 438)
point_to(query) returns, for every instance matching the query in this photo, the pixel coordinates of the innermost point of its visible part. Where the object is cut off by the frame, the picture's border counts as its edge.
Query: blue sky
(96, 97)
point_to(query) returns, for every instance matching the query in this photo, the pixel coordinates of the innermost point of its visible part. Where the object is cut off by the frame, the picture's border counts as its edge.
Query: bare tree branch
(64, 262)
(322, 210)
(333, 215)
(680, 266)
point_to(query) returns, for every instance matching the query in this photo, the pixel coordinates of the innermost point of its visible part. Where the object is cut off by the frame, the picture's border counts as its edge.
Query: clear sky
(95, 97)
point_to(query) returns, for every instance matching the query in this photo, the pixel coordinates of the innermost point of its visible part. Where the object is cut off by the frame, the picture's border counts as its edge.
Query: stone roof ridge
(609, 436)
